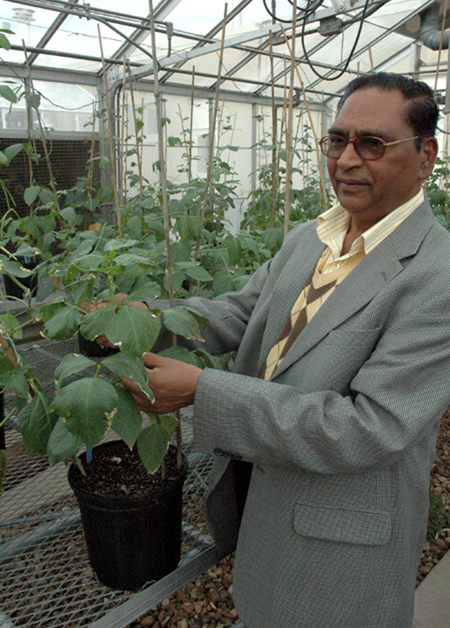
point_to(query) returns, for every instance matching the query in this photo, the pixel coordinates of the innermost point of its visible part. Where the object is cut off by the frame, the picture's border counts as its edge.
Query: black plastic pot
(130, 540)
(31, 282)
(91, 349)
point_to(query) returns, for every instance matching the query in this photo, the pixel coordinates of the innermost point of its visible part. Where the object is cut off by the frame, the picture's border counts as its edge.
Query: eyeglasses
(368, 147)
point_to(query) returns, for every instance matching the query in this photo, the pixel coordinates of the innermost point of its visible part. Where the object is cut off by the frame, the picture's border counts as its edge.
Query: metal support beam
(380, 38)
(147, 69)
(49, 34)
(213, 32)
(414, 66)
(164, 8)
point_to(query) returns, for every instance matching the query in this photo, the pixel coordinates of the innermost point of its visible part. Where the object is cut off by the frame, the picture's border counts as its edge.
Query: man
(340, 379)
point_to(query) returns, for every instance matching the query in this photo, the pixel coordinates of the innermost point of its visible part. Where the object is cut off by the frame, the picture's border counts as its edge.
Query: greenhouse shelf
(45, 576)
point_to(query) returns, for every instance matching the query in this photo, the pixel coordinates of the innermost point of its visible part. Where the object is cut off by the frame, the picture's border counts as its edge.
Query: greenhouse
(166, 150)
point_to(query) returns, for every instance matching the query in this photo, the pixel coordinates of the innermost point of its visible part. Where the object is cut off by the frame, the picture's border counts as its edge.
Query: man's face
(369, 190)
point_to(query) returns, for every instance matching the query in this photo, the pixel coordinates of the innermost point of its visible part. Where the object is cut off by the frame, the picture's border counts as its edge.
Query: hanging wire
(344, 69)
(308, 7)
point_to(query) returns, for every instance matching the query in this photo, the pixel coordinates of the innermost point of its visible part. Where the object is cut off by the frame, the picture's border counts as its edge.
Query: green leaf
(46, 196)
(240, 282)
(31, 194)
(93, 324)
(15, 269)
(87, 408)
(62, 444)
(4, 42)
(33, 100)
(10, 323)
(68, 213)
(13, 150)
(147, 292)
(152, 446)
(15, 380)
(36, 421)
(199, 273)
(3, 158)
(127, 421)
(168, 422)
(70, 365)
(234, 249)
(182, 322)
(121, 365)
(210, 360)
(134, 330)
(63, 325)
(47, 311)
(222, 283)
(5, 91)
(182, 354)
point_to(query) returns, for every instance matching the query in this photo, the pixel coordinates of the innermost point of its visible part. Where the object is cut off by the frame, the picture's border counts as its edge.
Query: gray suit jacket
(343, 436)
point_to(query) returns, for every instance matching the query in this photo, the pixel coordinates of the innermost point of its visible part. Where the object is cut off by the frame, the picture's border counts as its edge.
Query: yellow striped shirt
(332, 227)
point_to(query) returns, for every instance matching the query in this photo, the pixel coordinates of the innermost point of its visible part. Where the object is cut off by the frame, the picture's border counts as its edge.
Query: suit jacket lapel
(370, 276)
(292, 279)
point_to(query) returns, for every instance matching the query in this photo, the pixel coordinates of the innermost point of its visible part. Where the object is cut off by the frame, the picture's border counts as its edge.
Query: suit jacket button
(218, 452)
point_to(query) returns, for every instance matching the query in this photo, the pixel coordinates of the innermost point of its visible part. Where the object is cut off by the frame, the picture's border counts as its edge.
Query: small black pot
(31, 282)
(131, 540)
(92, 349)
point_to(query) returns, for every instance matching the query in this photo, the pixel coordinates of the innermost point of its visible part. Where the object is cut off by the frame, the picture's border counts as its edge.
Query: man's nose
(349, 158)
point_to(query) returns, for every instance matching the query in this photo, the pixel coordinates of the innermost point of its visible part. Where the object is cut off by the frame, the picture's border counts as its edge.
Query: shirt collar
(332, 226)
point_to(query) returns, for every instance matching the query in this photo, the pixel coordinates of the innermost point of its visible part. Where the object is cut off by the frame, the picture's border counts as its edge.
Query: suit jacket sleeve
(397, 393)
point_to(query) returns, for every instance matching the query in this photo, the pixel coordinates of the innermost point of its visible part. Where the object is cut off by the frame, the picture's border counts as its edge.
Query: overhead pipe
(429, 32)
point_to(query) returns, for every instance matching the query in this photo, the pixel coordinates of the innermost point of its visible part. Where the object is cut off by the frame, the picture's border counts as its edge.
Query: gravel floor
(207, 602)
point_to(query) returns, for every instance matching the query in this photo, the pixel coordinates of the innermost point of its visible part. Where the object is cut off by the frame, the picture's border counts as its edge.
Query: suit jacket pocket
(353, 337)
(344, 525)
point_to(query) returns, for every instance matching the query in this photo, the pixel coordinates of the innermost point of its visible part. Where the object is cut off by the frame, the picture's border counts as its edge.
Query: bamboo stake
(191, 126)
(125, 190)
(371, 59)
(213, 128)
(43, 140)
(274, 128)
(139, 160)
(283, 122)
(90, 174)
(164, 195)
(289, 124)
(316, 141)
(111, 148)
(444, 17)
(123, 165)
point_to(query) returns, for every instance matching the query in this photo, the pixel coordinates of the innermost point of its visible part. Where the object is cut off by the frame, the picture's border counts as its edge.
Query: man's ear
(428, 154)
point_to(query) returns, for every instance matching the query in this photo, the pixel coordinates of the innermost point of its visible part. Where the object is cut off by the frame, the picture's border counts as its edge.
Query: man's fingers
(152, 360)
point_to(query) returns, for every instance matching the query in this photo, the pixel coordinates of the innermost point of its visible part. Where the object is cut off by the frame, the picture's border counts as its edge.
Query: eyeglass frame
(353, 142)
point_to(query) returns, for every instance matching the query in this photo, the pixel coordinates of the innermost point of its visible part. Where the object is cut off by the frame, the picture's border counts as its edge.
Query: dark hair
(421, 115)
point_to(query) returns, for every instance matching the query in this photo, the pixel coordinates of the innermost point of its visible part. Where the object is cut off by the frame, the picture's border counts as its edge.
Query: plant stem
(44, 142)
(138, 155)
(111, 147)
(213, 128)
(164, 195)
(191, 126)
(123, 160)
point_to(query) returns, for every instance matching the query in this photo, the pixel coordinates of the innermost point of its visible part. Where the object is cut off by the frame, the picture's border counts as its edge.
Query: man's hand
(89, 306)
(173, 383)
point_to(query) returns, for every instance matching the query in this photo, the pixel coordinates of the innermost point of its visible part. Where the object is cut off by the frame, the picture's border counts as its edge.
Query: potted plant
(132, 535)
